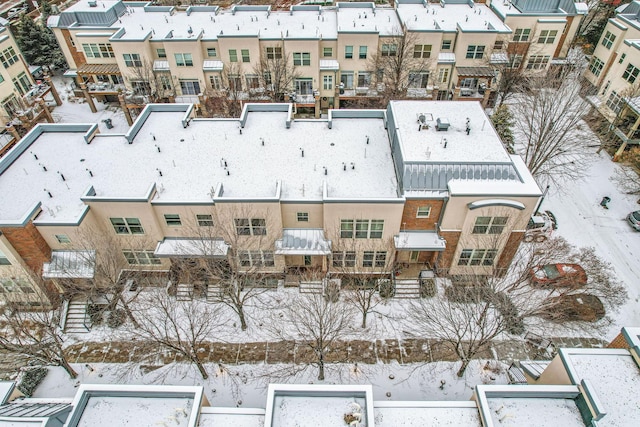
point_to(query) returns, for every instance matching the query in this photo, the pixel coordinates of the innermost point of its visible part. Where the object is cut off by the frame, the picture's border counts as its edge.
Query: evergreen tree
(38, 43)
(502, 120)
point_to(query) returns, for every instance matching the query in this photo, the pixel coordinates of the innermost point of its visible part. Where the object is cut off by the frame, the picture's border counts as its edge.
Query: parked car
(558, 275)
(634, 220)
(574, 307)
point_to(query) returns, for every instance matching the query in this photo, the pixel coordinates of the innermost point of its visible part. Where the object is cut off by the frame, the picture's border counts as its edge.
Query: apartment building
(461, 46)
(422, 184)
(613, 71)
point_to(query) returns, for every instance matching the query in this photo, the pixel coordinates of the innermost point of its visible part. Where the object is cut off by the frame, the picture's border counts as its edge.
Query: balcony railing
(105, 87)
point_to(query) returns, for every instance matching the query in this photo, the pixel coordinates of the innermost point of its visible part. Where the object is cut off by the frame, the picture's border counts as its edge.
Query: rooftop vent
(93, 3)
(442, 124)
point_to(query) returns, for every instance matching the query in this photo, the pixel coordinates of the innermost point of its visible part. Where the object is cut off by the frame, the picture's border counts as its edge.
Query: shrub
(116, 318)
(31, 379)
(387, 289)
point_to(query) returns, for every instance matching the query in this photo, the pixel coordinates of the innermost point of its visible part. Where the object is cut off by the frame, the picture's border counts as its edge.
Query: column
(125, 109)
(54, 91)
(85, 92)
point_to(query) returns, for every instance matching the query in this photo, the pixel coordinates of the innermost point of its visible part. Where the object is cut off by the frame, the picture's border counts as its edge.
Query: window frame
(521, 35)
(490, 224)
(245, 55)
(302, 216)
(595, 66)
(250, 226)
(256, 258)
(547, 36)
(183, 59)
(4, 260)
(362, 52)
(143, 257)
(327, 52)
(422, 51)
(132, 60)
(344, 259)
(233, 55)
(212, 52)
(327, 82)
(477, 257)
(420, 212)
(127, 225)
(631, 73)
(389, 49)
(475, 51)
(63, 239)
(273, 52)
(301, 59)
(204, 220)
(608, 39)
(446, 45)
(348, 52)
(173, 220)
(161, 52)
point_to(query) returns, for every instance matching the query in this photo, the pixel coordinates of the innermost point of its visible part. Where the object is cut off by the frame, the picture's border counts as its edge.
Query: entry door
(307, 260)
(413, 256)
(304, 86)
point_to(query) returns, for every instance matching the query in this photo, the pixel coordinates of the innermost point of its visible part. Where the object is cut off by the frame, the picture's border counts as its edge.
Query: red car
(558, 275)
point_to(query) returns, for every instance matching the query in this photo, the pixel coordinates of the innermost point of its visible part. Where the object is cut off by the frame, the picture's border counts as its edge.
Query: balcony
(101, 88)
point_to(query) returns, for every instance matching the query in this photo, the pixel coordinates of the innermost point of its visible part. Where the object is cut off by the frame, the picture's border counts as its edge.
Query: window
(161, 53)
(615, 102)
(190, 87)
(274, 53)
(303, 216)
(327, 82)
(250, 226)
(475, 51)
(547, 36)
(214, 81)
(422, 51)
(8, 57)
(362, 52)
(127, 225)
(348, 52)
(477, 256)
(245, 55)
(16, 285)
(346, 228)
(538, 62)
(63, 238)
(301, 58)
(364, 79)
(418, 79)
(343, 259)
(521, 35)
(253, 82)
(346, 79)
(204, 220)
(172, 220)
(443, 75)
(98, 50)
(423, 212)
(212, 52)
(256, 258)
(630, 74)
(233, 55)
(515, 61)
(374, 258)
(1, 79)
(489, 225)
(267, 78)
(621, 60)
(327, 52)
(165, 82)
(132, 60)
(184, 59)
(234, 82)
(498, 45)
(22, 83)
(446, 45)
(377, 225)
(364, 229)
(608, 39)
(140, 257)
(3, 259)
(389, 49)
(596, 66)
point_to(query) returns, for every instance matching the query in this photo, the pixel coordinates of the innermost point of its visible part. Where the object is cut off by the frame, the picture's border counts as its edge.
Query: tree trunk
(321, 370)
(200, 366)
(65, 365)
(243, 321)
(127, 310)
(364, 319)
(463, 367)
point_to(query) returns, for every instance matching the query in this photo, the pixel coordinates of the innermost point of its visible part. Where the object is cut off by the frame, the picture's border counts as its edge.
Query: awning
(98, 69)
(496, 202)
(174, 247)
(499, 58)
(446, 58)
(303, 241)
(70, 73)
(159, 65)
(476, 71)
(70, 265)
(329, 65)
(419, 241)
(212, 66)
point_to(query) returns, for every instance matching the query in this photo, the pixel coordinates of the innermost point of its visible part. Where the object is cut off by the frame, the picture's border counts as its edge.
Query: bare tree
(398, 65)
(151, 84)
(182, 327)
(277, 72)
(35, 335)
(315, 322)
(627, 176)
(468, 315)
(512, 74)
(548, 122)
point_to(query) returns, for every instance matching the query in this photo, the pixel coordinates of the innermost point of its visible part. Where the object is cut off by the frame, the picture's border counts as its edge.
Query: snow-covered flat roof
(361, 18)
(450, 18)
(397, 414)
(236, 417)
(188, 164)
(198, 247)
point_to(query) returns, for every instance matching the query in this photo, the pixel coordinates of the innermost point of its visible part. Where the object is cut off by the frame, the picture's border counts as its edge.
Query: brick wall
(78, 57)
(409, 220)
(509, 251)
(28, 242)
(452, 238)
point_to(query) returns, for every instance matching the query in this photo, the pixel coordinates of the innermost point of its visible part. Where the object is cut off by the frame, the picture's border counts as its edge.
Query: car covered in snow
(634, 220)
(556, 275)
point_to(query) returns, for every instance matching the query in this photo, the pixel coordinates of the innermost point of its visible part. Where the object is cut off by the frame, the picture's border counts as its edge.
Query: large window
(374, 259)
(327, 82)
(183, 59)
(233, 55)
(475, 51)
(256, 258)
(190, 87)
(8, 57)
(346, 79)
(364, 79)
(132, 60)
(22, 83)
(127, 225)
(477, 257)
(204, 220)
(596, 66)
(343, 258)
(245, 55)
(443, 75)
(172, 220)
(418, 79)
(3, 259)
(538, 62)
(362, 52)
(15, 285)
(489, 224)
(301, 58)
(274, 53)
(389, 49)
(521, 35)
(214, 81)
(608, 39)
(98, 50)
(140, 257)
(615, 102)
(422, 51)
(364, 228)
(253, 82)
(547, 36)
(250, 226)
(348, 52)
(630, 74)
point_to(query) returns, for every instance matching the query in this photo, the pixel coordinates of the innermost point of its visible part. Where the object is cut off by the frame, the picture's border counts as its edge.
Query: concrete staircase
(407, 289)
(214, 290)
(77, 319)
(315, 287)
(184, 292)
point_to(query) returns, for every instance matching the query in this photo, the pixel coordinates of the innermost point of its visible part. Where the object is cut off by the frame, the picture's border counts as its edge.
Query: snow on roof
(181, 247)
(187, 164)
(6, 388)
(613, 377)
(362, 18)
(534, 412)
(419, 240)
(397, 414)
(236, 417)
(450, 18)
(303, 241)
